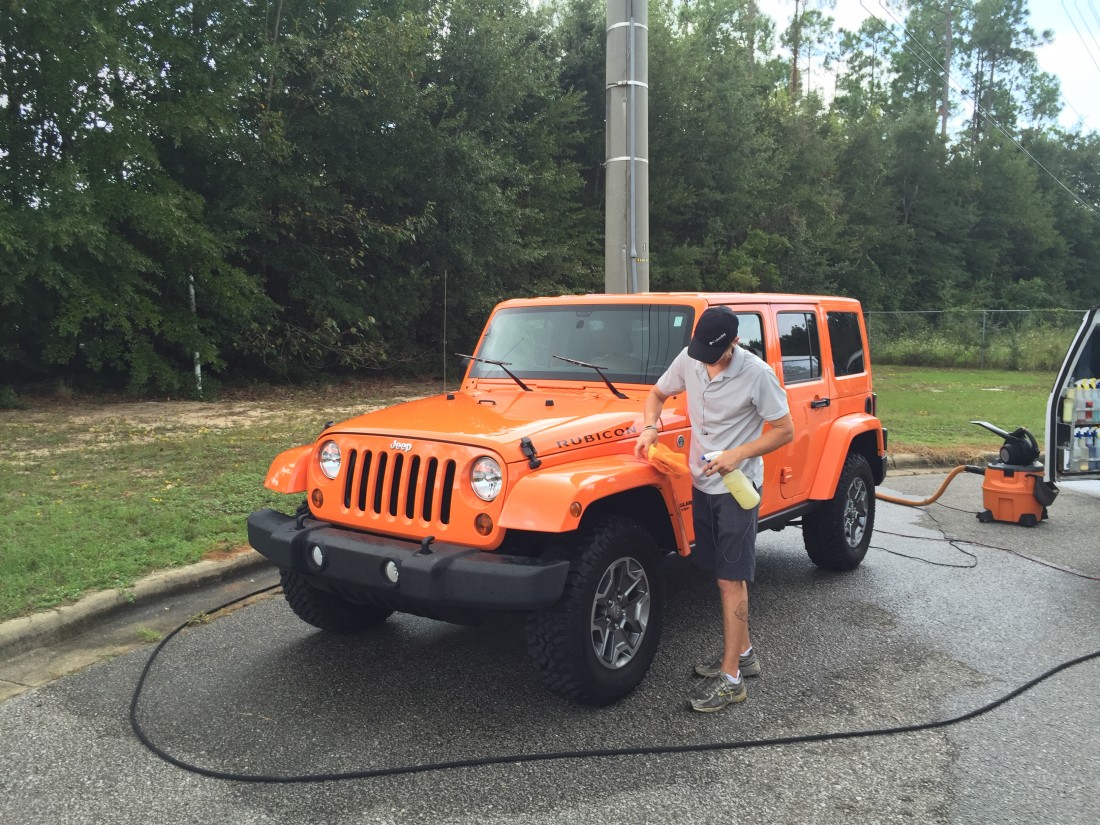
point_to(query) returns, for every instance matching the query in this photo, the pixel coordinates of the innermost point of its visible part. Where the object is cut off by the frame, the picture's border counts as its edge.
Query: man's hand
(726, 461)
(778, 433)
(646, 440)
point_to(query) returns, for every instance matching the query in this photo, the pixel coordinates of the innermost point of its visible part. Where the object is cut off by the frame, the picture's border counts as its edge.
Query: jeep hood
(553, 420)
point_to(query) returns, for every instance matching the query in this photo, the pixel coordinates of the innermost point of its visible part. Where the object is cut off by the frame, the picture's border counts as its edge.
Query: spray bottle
(738, 484)
(1069, 408)
(1076, 443)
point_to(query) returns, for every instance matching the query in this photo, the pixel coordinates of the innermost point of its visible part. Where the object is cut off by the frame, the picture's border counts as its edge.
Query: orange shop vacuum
(1014, 489)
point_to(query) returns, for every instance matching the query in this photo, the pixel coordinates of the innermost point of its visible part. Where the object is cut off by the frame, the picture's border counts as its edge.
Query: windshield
(635, 343)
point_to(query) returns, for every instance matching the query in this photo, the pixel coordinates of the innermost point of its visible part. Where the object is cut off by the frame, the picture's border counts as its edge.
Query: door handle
(818, 403)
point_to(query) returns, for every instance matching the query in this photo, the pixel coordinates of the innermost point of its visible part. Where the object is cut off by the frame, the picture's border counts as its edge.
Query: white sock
(733, 680)
(747, 652)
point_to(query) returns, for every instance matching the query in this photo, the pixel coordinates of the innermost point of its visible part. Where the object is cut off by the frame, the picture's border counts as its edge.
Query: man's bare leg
(735, 623)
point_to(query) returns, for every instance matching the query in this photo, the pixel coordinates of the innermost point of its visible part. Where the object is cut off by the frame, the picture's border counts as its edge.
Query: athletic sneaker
(717, 692)
(750, 665)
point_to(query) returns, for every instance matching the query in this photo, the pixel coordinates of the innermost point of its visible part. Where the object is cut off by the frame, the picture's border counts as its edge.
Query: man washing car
(731, 395)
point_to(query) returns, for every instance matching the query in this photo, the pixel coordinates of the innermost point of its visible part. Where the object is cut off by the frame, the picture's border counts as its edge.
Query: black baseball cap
(713, 335)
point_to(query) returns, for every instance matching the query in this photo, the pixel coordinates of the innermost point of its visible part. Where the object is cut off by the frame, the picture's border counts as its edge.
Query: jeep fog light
(486, 478)
(483, 524)
(330, 459)
(317, 557)
(390, 571)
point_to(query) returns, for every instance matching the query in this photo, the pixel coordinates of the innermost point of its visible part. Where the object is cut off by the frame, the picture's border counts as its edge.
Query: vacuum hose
(962, 468)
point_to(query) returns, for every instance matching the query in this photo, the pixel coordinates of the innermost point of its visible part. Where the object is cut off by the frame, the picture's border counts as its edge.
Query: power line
(1084, 43)
(937, 67)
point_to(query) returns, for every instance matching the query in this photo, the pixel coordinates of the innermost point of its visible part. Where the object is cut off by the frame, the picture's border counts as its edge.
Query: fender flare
(540, 501)
(841, 435)
(289, 471)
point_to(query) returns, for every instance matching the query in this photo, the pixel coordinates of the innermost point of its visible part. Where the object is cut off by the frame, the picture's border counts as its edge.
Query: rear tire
(838, 533)
(327, 611)
(596, 644)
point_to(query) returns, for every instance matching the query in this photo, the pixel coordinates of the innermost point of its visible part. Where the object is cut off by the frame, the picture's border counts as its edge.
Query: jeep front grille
(395, 483)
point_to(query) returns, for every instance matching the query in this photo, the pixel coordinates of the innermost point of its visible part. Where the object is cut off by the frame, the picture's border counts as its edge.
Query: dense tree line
(284, 186)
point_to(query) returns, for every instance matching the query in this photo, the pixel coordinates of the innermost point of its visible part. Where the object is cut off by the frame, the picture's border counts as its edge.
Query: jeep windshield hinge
(528, 450)
(599, 371)
(502, 364)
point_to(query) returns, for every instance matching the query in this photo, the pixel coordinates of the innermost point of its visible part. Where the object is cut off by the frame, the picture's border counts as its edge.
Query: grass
(96, 500)
(102, 518)
(928, 411)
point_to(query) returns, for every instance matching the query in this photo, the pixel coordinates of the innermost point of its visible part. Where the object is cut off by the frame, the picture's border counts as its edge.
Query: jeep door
(806, 377)
(1073, 409)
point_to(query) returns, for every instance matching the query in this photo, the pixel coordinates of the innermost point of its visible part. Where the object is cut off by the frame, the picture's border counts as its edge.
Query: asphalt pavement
(945, 615)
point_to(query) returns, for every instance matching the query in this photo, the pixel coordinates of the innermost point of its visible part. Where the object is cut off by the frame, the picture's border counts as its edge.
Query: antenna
(444, 330)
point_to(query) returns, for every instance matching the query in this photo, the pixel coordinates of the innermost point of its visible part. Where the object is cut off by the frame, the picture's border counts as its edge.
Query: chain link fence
(1001, 339)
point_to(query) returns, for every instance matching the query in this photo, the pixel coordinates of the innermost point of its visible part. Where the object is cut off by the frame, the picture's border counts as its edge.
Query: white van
(1073, 411)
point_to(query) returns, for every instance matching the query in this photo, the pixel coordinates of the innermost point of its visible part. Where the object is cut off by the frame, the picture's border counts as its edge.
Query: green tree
(108, 240)
(1001, 69)
(865, 55)
(1014, 253)
(710, 172)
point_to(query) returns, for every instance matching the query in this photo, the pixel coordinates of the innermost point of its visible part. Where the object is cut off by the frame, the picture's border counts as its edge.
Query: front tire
(596, 644)
(838, 533)
(327, 611)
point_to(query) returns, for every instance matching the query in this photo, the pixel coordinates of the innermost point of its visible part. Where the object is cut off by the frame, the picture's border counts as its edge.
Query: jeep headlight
(486, 478)
(330, 459)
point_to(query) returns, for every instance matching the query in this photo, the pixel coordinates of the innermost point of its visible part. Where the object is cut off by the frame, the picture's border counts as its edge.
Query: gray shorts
(725, 536)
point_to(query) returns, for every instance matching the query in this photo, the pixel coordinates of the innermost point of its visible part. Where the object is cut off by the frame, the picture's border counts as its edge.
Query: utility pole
(626, 78)
(945, 106)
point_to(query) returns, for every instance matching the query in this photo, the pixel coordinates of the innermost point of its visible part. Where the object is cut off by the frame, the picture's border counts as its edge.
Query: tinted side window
(847, 343)
(750, 330)
(799, 346)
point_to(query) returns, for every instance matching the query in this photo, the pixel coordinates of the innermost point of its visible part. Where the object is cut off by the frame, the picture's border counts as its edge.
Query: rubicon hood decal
(592, 438)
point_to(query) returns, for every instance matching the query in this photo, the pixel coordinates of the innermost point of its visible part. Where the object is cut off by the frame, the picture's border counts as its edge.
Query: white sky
(1073, 57)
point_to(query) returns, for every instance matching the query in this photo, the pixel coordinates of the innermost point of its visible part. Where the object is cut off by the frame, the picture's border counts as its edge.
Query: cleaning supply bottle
(738, 484)
(1068, 405)
(1094, 449)
(1076, 443)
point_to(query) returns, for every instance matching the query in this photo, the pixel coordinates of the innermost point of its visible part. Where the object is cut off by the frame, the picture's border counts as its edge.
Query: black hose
(555, 755)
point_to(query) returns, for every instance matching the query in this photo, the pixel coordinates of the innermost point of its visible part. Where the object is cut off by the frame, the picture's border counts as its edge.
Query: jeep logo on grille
(403, 446)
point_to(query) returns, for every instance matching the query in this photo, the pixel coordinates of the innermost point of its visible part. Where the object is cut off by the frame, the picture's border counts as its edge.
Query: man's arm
(781, 432)
(654, 403)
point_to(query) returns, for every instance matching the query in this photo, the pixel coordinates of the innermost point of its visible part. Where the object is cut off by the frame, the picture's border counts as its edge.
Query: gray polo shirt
(726, 411)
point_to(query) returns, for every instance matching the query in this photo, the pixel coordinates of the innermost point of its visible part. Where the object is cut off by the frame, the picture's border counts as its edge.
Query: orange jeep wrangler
(519, 492)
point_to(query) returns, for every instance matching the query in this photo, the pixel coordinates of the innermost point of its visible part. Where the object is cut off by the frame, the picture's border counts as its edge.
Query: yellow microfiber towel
(668, 461)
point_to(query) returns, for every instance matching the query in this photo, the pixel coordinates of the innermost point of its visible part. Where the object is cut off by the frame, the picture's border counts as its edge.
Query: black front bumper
(448, 577)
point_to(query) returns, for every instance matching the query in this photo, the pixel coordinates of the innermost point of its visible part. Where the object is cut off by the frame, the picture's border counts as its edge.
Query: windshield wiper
(599, 371)
(502, 364)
